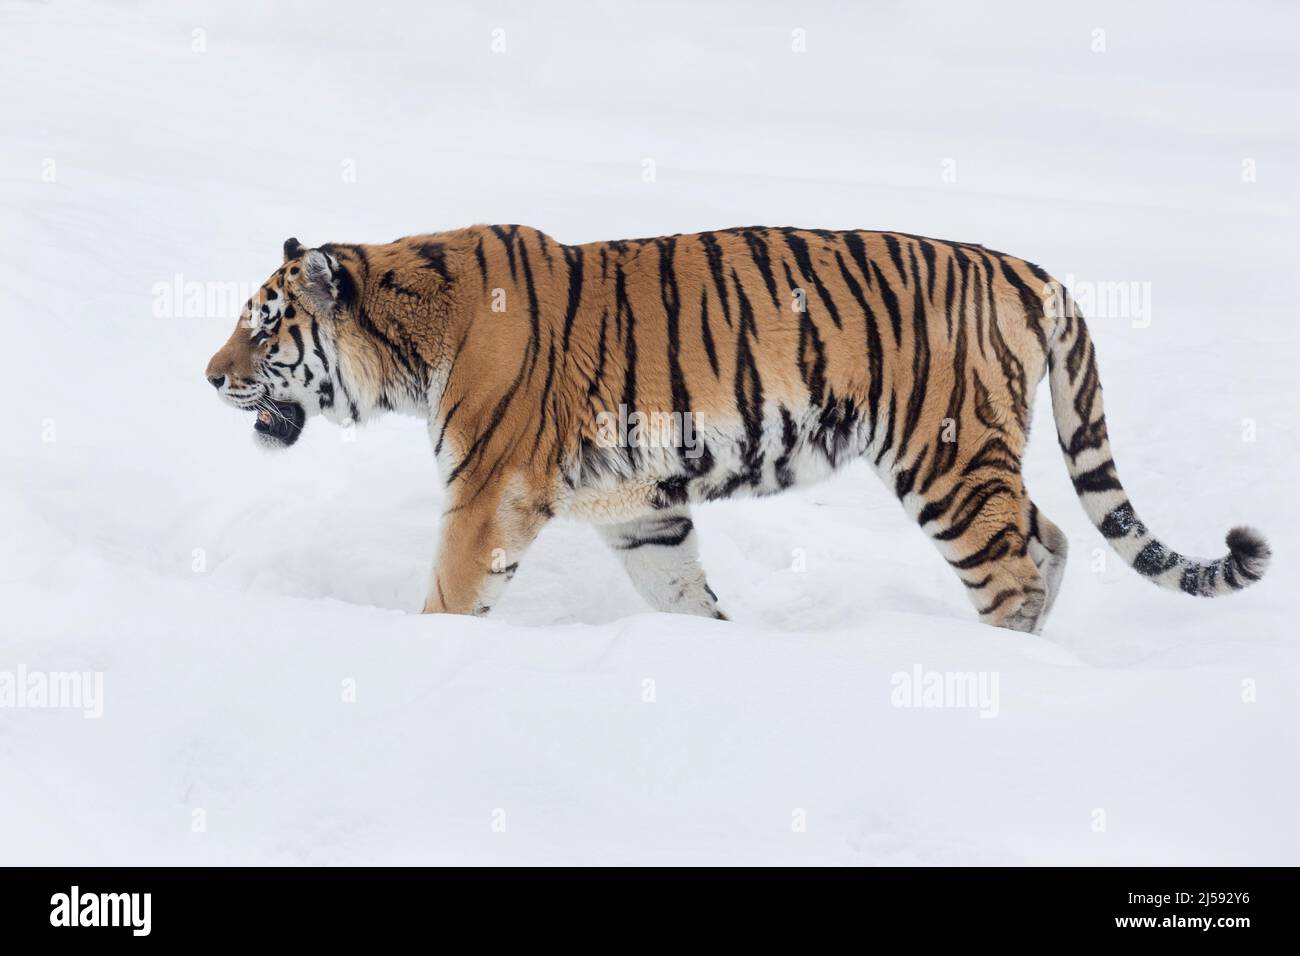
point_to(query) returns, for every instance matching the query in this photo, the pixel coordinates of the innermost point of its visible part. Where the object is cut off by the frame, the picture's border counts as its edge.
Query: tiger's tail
(1081, 427)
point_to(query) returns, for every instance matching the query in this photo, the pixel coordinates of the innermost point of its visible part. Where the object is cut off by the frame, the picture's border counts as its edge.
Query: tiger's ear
(292, 249)
(320, 278)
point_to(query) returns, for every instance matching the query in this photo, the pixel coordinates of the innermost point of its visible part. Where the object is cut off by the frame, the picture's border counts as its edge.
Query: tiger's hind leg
(981, 526)
(661, 556)
(1048, 548)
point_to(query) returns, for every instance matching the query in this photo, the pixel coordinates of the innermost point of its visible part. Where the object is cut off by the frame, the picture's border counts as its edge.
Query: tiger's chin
(279, 425)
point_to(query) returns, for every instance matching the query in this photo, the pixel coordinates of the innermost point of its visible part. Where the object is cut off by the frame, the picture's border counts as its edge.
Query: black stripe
(1031, 303)
(442, 433)
(668, 293)
(1101, 478)
(858, 252)
(891, 305)
(907, 477)
(789, 436)
(983, 404)
(398, 349)
(749, 393)
(389, 282)
(804, 261)
(296, 334)
(482, 263)
(317, 347)
(533, 350)
(623, 310)
(936, 509)
(1193, 581)
(920, 360)
(435, 258)
(968, 266)
(874, 358)
(994, 455)
(601, 350)
(997, 548)
(972, 506)
(999, 599)
(945, 456)
(1230, 576)
(706, 335)
(950, 287)
(1154, 559)
(714, 254)
(572, 256)
(927, 251)
(896, 254)
(762, 259)
(1121, 522)
(542, 242)
(1013, 371)
(507, 236)
(669, 533)
(546, 393)
(889, 434)
(811, 356)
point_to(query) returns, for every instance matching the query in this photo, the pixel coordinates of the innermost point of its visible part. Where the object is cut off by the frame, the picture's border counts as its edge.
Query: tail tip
(1249, 550)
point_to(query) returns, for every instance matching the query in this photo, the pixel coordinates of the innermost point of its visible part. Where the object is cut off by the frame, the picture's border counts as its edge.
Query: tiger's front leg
(485, 532)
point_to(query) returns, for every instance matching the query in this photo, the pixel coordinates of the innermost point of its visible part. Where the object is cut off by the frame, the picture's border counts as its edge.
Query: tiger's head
(281, 361)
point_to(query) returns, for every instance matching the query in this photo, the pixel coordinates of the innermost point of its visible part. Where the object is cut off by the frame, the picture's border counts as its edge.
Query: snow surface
(526, 737)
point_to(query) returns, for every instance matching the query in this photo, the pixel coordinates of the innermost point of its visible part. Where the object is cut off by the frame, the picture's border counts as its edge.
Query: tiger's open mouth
(280, 424)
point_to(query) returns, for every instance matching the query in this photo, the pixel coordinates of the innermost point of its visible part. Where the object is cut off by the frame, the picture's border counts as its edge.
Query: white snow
(228, 595)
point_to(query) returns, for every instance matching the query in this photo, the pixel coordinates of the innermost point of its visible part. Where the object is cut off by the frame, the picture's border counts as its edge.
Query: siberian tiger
(621, 382)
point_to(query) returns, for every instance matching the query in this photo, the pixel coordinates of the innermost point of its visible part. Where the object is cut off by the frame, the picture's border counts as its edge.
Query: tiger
(619, 383)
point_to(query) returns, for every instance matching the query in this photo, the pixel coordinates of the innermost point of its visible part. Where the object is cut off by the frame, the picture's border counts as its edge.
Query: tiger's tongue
(264, 417)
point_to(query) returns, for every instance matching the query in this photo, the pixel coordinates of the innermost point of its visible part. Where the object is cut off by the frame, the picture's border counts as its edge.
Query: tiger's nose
(217, 380)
